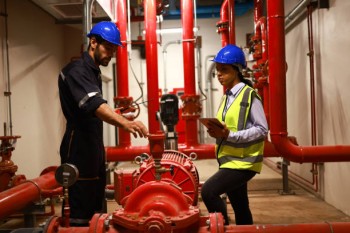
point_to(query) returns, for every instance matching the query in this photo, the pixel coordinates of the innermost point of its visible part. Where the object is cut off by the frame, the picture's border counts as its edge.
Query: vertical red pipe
(277, 66)
(122, 66)
(151, 64)
(278, 115)
(189, 64)
(231, 21)
(224, 18)
(257, 10)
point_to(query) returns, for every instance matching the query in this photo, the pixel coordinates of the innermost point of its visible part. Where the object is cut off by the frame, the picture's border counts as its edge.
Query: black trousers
(233, 182)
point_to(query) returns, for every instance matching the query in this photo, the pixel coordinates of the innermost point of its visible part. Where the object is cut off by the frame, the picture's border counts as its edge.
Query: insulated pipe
(122, 66)
(189, 64)
(278, 115)
(20, 196)
(152, 64)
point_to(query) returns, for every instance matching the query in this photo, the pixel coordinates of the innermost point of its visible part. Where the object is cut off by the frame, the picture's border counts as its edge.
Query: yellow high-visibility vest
(239, 155)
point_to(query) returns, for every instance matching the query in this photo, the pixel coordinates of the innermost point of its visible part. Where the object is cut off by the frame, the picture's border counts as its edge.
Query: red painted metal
(29, 191)
(7, 166)
(278, 115)
(231, 22)
(156, 206)
(188, 41)
(151, 64)
(124, 138)
(222, 25)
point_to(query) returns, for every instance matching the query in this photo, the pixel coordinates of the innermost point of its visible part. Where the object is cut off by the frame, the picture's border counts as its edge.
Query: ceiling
(72, 11)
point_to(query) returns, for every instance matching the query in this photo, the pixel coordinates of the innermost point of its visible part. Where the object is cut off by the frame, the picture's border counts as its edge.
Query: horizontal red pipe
(20, 196)
(304, 228)
(202, 151)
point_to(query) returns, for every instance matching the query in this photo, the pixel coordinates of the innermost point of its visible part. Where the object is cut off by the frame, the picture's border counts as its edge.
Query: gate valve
(126, 107)
(7, 167)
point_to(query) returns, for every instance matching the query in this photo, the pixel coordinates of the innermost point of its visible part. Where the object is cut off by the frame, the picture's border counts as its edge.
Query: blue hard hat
(107, 31)
(231, 55)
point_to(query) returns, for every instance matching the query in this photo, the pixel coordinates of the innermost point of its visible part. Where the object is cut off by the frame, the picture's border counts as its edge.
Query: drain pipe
(278, 115)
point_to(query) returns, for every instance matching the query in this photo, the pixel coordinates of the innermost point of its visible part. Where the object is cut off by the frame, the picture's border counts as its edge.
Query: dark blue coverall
(80, 91)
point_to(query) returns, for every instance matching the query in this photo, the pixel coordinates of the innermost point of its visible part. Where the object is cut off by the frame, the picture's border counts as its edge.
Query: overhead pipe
(278, 115)
(25, 193)
(295, 12)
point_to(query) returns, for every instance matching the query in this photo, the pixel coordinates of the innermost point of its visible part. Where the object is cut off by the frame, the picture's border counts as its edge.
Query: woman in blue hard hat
(80, 90)
(239, 143)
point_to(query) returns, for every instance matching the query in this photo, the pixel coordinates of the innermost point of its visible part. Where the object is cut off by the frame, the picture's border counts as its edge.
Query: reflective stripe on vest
(248, 155)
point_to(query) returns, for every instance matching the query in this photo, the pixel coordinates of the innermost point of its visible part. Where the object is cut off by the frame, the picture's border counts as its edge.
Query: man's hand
(136, 128)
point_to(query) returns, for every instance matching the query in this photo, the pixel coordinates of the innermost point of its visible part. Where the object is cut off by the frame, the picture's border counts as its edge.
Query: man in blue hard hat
(80, 91)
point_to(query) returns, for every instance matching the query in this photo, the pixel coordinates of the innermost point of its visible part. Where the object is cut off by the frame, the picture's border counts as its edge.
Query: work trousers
(233, 182)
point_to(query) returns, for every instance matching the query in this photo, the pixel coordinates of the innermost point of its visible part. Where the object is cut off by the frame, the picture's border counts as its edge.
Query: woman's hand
(218, 131)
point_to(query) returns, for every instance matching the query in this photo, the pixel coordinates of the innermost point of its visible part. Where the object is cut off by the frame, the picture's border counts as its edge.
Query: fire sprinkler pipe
(188, 41)
(223, 20)
(231, 22)
(124, 138)
(20, 196)
(152, 63)
(278, 115)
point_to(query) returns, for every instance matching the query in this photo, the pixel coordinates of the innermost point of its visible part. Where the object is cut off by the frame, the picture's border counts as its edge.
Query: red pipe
(122, 66)
(278, 115)
(151, 64)
(231, 21)
(223, 20)
(305, 228)
(20, 196)
(188, 41)
(258, 9)
(202, 151)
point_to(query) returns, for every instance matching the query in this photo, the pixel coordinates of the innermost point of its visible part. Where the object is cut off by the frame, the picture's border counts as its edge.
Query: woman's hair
(241, 78)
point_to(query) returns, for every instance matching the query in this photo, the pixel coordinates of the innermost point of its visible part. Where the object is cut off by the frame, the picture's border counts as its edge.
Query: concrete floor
(268, 206)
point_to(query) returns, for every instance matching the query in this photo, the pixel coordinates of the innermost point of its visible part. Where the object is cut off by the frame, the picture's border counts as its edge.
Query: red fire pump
(160, 196)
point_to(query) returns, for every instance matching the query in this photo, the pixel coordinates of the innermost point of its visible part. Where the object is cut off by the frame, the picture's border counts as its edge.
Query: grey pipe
(295, 12)
(164, 61)
(87, 21)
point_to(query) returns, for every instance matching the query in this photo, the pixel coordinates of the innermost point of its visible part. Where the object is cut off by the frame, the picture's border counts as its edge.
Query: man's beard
(104, 61)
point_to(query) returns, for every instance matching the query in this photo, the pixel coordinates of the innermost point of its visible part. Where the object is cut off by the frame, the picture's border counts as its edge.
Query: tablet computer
(211, 122)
